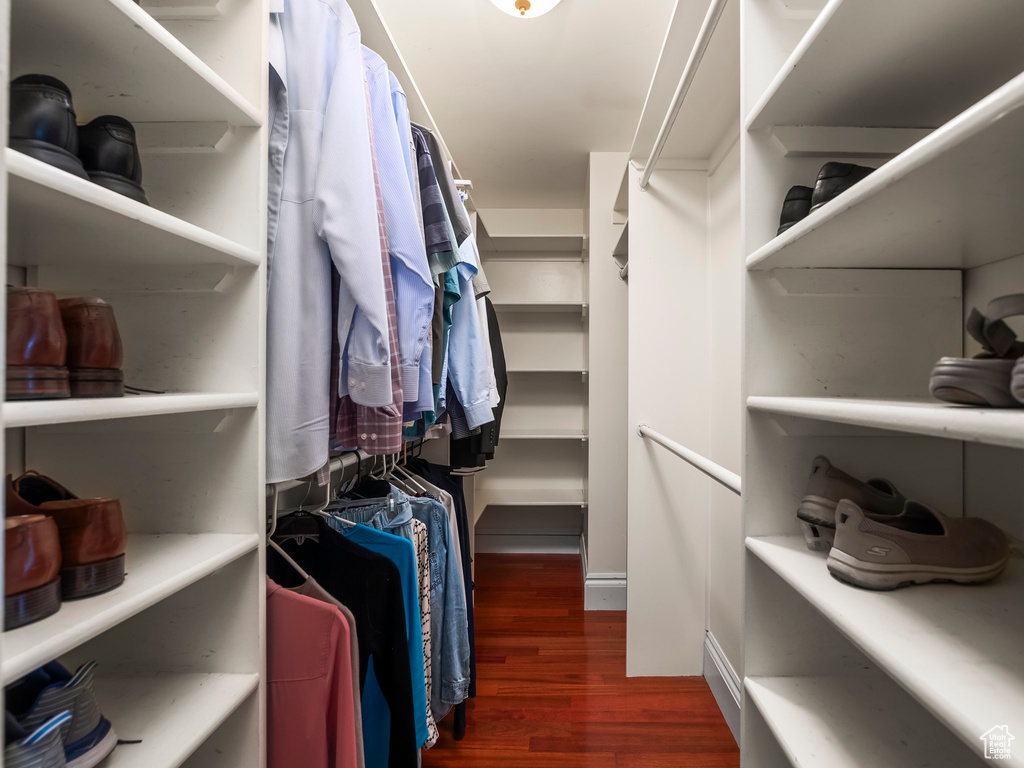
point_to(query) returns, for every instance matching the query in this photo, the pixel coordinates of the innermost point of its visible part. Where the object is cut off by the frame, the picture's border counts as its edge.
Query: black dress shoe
(834, 179)
(43, 122)
(111, 157)
(795, 207)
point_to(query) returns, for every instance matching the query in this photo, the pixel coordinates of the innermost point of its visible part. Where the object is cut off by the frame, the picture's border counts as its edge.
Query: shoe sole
(96, 382)
(31, 605)
(97, 754)
(119, 184)
(92, 579)
(817, 516)
(37, 382)
(884, 577)
(50, 154)
(965, 381)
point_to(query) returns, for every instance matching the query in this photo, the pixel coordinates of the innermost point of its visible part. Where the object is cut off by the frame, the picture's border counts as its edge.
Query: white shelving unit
(845, 315)
(180, 644)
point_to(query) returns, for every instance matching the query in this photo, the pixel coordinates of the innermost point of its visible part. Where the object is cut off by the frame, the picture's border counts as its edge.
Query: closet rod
(716, 472)
(700, 47)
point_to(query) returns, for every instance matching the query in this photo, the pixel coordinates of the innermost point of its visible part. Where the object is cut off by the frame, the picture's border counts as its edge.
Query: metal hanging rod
(700, 47)
(715, 471)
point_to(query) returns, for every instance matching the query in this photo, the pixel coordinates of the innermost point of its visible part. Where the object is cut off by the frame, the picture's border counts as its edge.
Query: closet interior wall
(845, 316)
(180, 645)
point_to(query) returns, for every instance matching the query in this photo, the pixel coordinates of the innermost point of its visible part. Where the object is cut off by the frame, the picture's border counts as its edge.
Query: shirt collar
(277, 6)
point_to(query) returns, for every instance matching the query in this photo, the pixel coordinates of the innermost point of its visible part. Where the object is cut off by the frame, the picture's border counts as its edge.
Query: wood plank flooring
(552, 689)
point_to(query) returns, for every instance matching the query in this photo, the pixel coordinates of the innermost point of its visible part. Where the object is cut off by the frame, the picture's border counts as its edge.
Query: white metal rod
(700, 47)
(716, 472)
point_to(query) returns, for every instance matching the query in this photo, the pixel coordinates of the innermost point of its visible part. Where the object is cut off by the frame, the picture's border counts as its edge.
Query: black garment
(437, 335)
(446, 481)
(369, 585)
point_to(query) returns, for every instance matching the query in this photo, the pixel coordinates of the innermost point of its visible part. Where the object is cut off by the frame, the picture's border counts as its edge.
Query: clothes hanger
(284, 555)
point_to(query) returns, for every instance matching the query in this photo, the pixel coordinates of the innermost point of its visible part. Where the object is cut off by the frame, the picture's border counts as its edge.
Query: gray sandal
(987, 378)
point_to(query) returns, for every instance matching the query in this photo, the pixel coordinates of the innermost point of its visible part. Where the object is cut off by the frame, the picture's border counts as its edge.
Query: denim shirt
(448, 619)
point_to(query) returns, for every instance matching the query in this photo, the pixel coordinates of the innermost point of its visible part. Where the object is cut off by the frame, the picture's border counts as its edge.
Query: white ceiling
(521, 103)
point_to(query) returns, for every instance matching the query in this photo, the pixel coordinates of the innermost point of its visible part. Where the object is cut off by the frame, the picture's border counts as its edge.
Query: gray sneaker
(41, 748)
(917, 546)
(826, 487)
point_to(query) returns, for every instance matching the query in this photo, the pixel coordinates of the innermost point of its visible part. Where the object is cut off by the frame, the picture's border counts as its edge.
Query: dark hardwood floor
(552, 689)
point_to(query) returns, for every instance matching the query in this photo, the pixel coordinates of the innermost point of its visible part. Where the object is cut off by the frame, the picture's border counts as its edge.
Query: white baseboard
(724, 683)
(528, 544)
(601, 591)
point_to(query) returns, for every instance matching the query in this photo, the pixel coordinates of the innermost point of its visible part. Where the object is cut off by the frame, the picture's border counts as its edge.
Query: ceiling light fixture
(525, 9)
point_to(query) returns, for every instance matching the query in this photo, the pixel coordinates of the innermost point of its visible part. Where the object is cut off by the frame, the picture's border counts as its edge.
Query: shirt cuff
(411, 383)
(478, 414)
(370, 385)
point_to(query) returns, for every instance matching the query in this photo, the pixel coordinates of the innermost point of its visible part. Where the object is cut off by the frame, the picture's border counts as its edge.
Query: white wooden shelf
(534, 243)
(991, 426)
(172, 714)
(157, 566)
(910, 64)
(950, 201)
(59, 219)
(117, 59)
(543, 434)
(853, 722)
(33, 413)
(529, 497)
(578, 307)
(956, 650)
(579, 370)
(621, 250)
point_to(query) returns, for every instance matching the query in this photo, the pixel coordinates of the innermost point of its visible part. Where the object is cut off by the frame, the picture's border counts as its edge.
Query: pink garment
(310, 722)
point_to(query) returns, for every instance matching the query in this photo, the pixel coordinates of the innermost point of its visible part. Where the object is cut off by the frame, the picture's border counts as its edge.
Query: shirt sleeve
(345, 217)
(341, 723)
(467, 358)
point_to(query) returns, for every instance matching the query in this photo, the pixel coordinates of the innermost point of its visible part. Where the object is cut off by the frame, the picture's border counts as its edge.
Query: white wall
(669, 389)
(725, 311)
(606, 517)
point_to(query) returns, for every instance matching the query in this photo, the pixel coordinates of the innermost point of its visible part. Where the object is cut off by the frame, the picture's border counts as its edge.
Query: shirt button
(373, 436)
(363, 385)
(362, 436)
(351, 382)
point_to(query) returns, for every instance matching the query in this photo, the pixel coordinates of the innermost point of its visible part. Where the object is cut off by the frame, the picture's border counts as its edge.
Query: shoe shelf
(530, 497)
(117, 59)
(157, 566)
(97, 226)
(171, 715)
(833, 721)
(34, 413)
(543, 434)
(876, 63)
(956, 650)
(950, 201)
(988, 426)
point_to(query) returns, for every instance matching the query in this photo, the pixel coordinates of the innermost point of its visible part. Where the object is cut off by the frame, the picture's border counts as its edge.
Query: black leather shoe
(43, 122)
(795, 207)
(834, 179)
(111, 157)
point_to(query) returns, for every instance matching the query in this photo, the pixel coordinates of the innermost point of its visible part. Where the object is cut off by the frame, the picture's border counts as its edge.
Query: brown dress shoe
(92, 532)
(36, 346)
(31, 569)
(95, 353)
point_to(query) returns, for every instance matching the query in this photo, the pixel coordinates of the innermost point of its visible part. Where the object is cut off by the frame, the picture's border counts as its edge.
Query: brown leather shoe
(31, 569)
(95, 353)
(36, 346)
(92, 533)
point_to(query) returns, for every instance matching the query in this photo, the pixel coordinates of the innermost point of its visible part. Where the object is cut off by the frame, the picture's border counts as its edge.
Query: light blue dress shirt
(321, 209)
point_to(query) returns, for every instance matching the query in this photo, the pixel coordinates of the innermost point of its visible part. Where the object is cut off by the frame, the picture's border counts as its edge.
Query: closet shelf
(543, 434)
(33, 413)
(579, 307)
(990, 426)
(621, 250)
(876, 63)
(172, 714)
(117, 59)
(950, 201)
(157, 566)
(534, 243)
(579, 369)
(944, 643)
(59, 219)
(850, 721)
(529, 497)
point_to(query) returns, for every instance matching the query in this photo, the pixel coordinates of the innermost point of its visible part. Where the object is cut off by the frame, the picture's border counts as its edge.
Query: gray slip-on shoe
(826, 487)
(917, 546)
(40, 748)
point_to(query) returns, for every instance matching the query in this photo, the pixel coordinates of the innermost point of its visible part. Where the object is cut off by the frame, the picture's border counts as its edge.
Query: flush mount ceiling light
(525, 9)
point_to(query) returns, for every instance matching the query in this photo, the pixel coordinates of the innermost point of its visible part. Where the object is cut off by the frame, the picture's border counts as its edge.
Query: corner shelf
(990, 426)
(171, 714)
(157, 566)
(876, 63)
(944, 643)
(33, 413)
(97, 226)
(117, 59)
